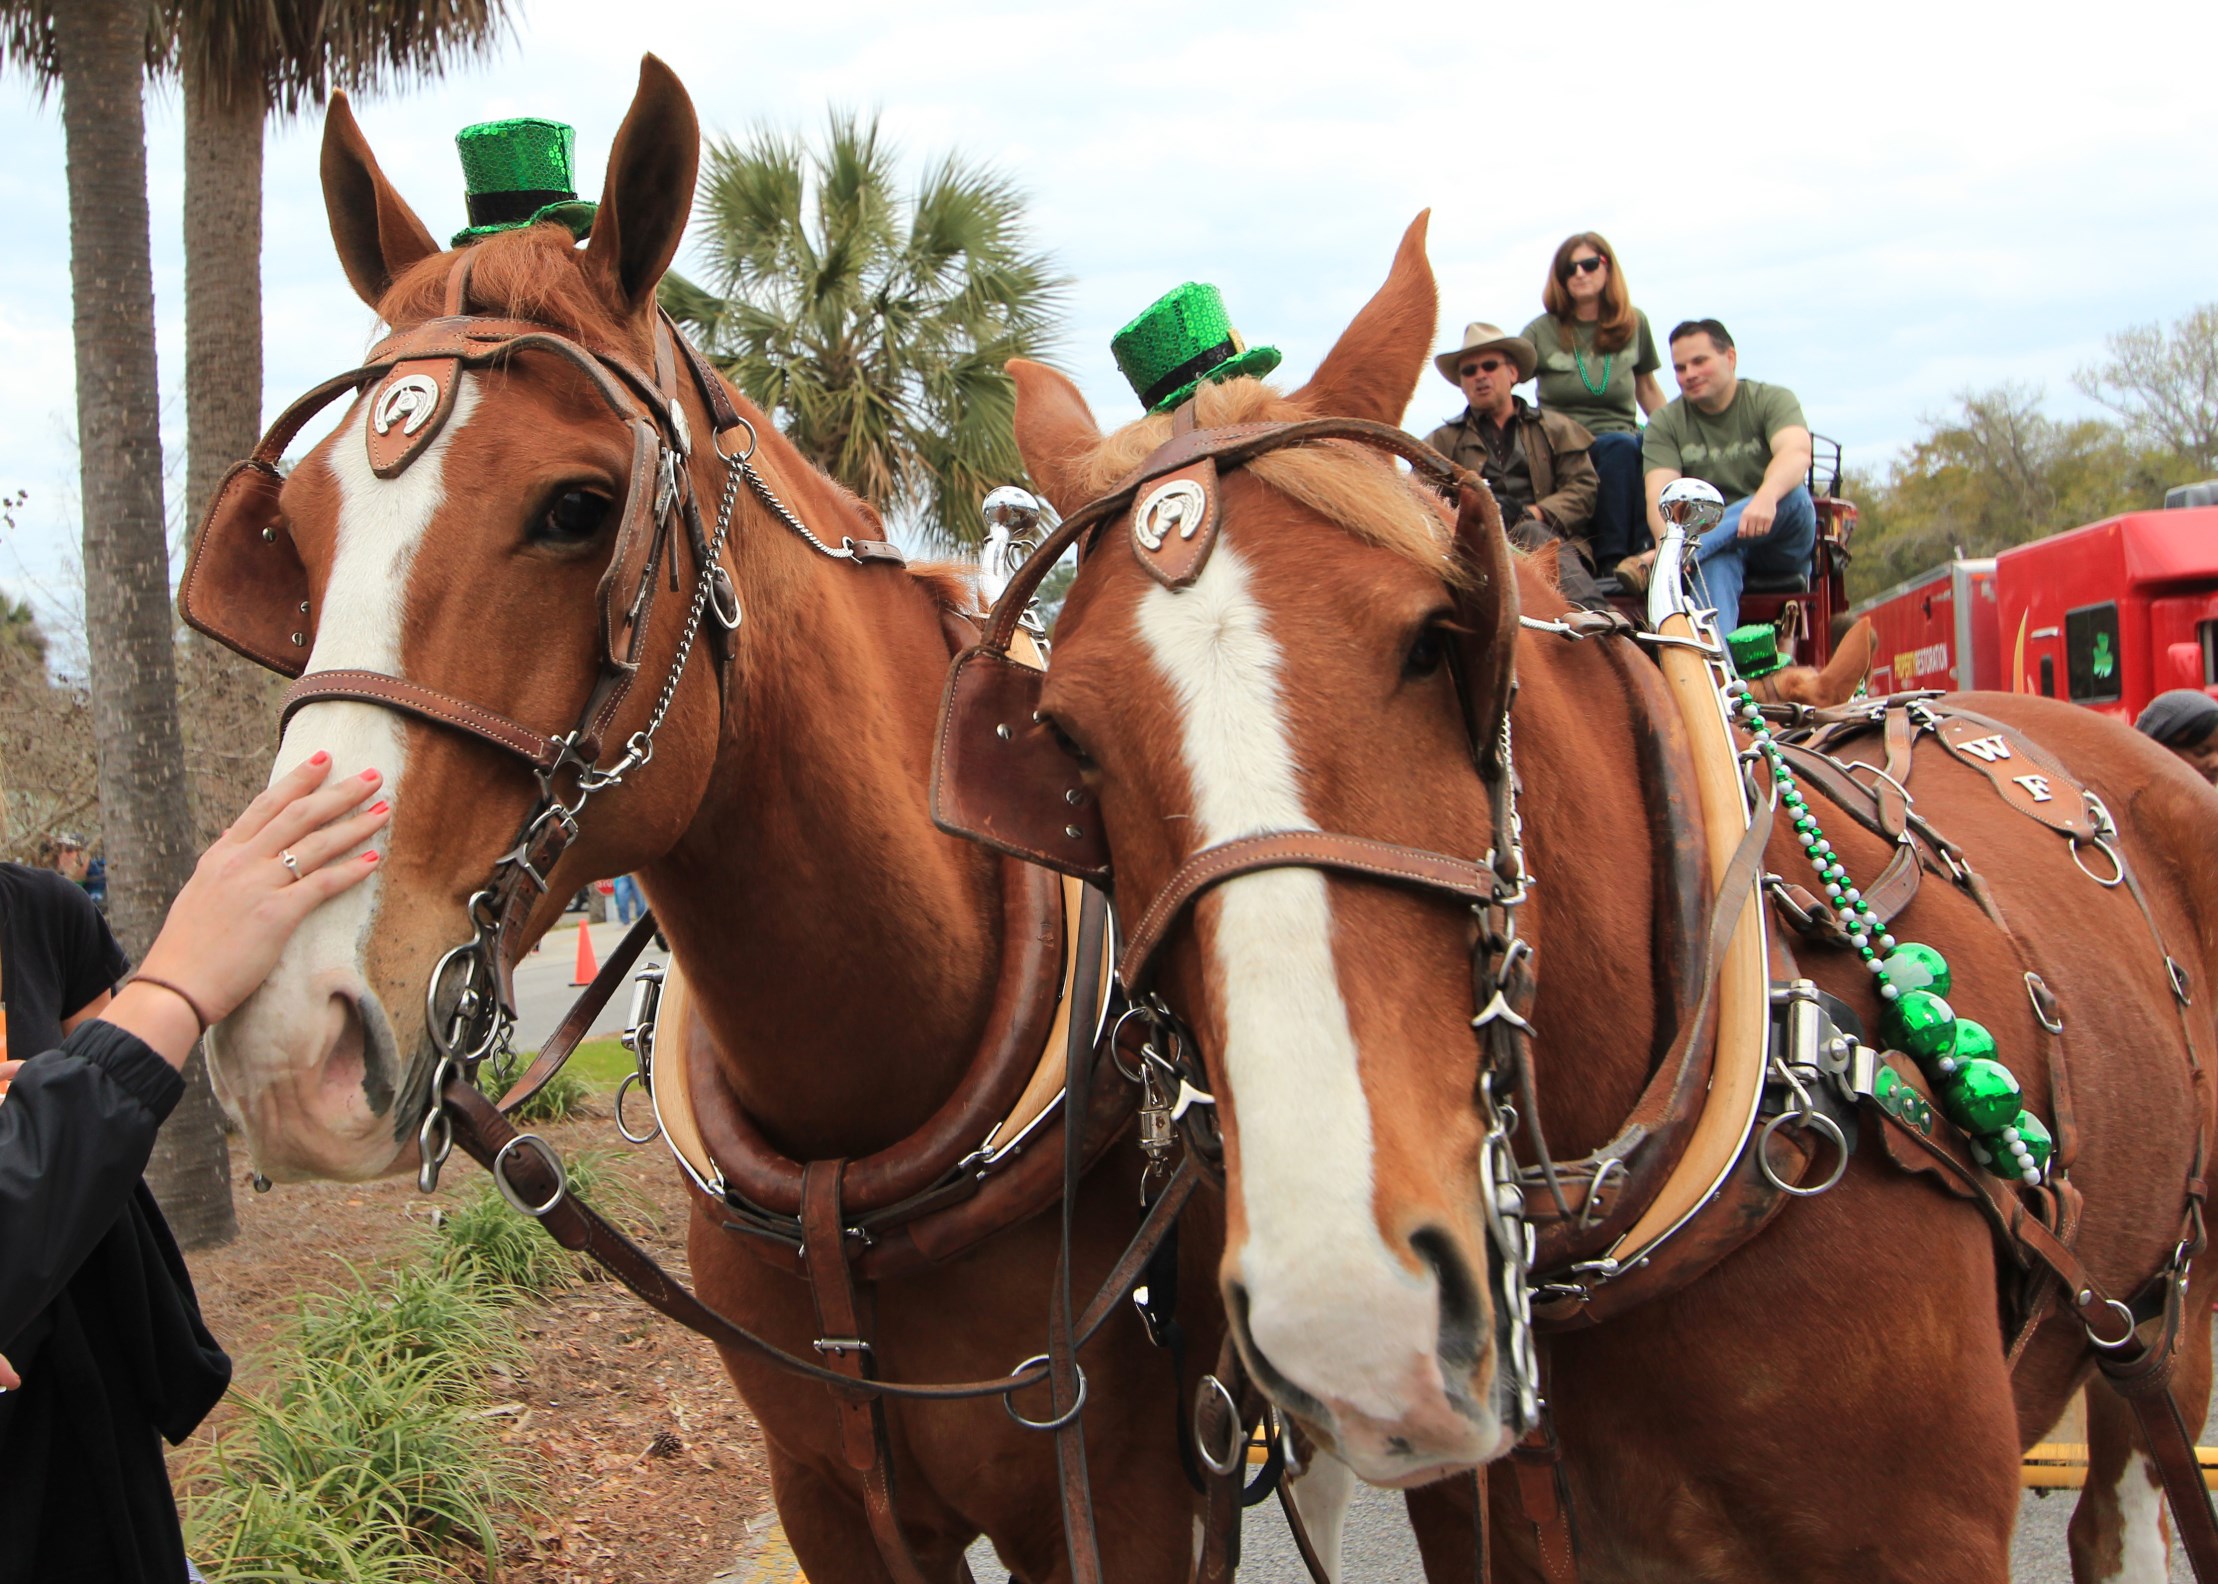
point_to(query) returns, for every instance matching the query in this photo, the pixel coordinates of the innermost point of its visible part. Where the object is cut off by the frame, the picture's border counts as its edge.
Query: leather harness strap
(1294, 849)
(536, 749)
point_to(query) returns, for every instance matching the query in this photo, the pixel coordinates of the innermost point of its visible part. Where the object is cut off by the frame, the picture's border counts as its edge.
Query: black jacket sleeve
(75, 1132)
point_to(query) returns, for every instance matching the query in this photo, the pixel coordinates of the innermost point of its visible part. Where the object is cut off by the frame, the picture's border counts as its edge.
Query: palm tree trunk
(223, 283)
(144, 819)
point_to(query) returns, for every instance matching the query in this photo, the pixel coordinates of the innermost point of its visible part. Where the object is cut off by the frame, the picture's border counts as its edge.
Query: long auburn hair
(1613, 331)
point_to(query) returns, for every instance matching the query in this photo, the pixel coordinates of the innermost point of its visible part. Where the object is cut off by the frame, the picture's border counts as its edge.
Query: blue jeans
(1726, 559)
(1620, 525)
(629, 904)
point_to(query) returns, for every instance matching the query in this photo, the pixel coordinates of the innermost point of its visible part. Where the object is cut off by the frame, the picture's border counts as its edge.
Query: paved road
(543, 990)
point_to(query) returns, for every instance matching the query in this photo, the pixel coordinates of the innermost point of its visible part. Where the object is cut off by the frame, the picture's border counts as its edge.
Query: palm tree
(97, 52)
(240, 60)
(873, 325)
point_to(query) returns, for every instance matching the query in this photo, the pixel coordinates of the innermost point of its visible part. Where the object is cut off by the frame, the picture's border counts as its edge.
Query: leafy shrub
(495, 1247)
(374, 1456)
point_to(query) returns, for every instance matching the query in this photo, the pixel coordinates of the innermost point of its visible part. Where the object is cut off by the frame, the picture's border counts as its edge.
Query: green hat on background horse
(1183, 338)
(517, 173)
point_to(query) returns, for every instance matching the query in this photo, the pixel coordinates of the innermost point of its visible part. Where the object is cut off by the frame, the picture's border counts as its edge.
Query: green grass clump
(385, 1447)
(414, 1311)
(487, 1243)
(242, 1532)
(562, 1099)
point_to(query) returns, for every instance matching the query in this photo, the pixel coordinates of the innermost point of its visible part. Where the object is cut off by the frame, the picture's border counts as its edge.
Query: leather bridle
(246, 587)
(999, 765)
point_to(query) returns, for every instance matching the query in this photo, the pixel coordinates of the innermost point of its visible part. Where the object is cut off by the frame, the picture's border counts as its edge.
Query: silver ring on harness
(633, 1079)
(1237, 1442)
(471, 1030)
(1061, 1419)
(1810, 1119)
(2107, 1344)
(2117, 864)
(546, 1152)
(286, 858)
(753, 440)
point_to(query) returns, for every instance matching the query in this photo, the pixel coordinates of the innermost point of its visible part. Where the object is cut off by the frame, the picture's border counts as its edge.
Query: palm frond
(872, 322)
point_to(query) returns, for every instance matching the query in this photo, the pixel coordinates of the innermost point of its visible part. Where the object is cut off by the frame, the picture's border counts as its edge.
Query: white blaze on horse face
(1330, 1307)
(273, 1065)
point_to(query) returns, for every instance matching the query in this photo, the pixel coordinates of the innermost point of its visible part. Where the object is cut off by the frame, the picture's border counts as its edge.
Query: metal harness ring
(1060, 1420)
(545, 1152)
(1810, 1119)
(1238, 1441)
(2112, 1345)
(2117, 863)
(753, 440)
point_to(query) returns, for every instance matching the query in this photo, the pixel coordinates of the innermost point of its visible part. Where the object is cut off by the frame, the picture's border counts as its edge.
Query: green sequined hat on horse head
(1183, 338)
(517, 173)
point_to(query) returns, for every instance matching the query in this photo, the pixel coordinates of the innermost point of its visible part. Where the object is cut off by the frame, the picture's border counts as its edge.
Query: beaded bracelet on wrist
(1975, 1090)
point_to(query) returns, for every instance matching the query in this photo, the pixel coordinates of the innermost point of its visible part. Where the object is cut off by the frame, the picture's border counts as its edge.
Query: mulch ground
(652, 1470)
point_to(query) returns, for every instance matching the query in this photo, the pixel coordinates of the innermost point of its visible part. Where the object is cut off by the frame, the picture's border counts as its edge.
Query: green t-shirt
(1729, 449)
(1562, 389)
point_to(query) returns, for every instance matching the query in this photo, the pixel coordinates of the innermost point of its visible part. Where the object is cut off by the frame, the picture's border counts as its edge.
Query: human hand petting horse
(456, 594)
(1842, 1387)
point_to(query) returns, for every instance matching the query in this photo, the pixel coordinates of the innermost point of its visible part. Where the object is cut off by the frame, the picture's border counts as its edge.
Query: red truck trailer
(2108, 616)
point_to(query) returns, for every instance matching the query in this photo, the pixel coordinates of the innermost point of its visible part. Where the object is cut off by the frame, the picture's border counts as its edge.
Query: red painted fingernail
(369, 775)
(380, 806)
(369, 857)
(319, 757)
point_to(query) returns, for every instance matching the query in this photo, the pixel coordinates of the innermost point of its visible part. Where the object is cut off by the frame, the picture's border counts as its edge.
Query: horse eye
(575, 516)
(1426, 654)
(1065, 741)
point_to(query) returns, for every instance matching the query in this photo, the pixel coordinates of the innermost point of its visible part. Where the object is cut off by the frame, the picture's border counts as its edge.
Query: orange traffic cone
(588, 965)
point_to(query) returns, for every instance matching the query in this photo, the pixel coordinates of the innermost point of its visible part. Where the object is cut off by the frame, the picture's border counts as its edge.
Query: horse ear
(1055, 431)
(1373, 369)
(648, 195)
(378, 236)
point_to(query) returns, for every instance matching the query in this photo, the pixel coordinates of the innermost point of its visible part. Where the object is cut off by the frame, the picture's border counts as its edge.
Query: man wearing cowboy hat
(1535, 462)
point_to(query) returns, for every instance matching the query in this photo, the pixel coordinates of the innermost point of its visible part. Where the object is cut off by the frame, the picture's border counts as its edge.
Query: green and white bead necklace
(1975, 1090)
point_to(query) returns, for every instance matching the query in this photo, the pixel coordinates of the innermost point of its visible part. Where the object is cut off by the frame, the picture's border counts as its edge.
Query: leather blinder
(407, 410)
(1174, 524)
(244, 583)
(1000, 776)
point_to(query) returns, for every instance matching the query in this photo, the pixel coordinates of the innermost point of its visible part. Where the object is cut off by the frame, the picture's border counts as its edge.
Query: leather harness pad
(1174, 524)
(409, 408)
(245, 585)
(2029, 779)
(1002, 777)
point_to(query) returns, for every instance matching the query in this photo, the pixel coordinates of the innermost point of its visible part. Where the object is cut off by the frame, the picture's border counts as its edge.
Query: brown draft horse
(1832, 1401)
(842, 953)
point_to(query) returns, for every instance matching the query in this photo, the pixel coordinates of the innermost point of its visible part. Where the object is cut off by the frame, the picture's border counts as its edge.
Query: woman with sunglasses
(1598, 363)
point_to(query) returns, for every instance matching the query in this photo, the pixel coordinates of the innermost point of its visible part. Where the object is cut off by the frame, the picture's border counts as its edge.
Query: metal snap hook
(1060, 1420)
(1236, 1441)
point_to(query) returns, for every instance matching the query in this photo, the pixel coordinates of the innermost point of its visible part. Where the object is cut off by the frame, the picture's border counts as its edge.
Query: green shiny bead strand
(1976, 1090)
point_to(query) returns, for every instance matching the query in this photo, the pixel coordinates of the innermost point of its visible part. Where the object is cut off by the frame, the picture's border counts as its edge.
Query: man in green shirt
(1750, 441)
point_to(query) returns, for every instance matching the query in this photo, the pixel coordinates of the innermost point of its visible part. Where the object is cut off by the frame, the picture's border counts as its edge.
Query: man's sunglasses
(1486, 366)
(1585, 266)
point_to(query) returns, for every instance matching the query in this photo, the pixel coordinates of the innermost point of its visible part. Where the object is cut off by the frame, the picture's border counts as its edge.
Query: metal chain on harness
(478, 1027)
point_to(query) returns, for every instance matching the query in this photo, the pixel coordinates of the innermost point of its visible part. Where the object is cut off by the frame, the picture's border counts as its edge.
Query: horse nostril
(1461, 1317)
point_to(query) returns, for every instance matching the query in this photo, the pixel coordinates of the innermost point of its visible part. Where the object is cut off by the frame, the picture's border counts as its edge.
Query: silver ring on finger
(290, 862)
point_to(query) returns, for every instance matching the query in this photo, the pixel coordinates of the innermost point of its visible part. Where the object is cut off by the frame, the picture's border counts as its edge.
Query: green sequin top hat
(1755, 650)
(1183, 338)
(518, 173)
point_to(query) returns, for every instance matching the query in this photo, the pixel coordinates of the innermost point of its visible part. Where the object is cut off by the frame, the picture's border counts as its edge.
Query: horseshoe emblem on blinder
(409, 401)
(1180, 504)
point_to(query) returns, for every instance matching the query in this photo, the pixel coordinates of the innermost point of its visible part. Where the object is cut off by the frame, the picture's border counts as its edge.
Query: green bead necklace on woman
(1578, 361)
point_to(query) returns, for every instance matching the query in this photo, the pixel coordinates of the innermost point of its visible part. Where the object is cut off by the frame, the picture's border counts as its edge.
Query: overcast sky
(1887, 203)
